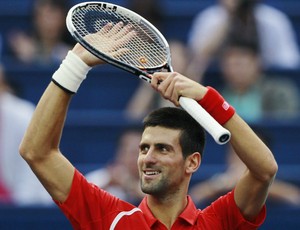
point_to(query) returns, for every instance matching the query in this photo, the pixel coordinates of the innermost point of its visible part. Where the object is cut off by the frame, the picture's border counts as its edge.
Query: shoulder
(206, 22)
(225, 213)
(91, 194)
(93, 203)
(217, 207)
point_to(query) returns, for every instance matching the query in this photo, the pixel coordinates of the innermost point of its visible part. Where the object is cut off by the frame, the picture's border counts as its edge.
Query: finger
(115, 29)
(160, 76)
(171, 90)
(157, 78)
(105, 28)
(164, 86)
(125, 39)
(120, 52)
(123, 31)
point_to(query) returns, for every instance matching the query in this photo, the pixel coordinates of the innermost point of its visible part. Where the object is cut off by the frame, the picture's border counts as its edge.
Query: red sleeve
(87, 204)
(231, 217)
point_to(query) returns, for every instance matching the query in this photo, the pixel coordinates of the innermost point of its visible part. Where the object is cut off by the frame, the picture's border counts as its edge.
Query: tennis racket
(134, 45)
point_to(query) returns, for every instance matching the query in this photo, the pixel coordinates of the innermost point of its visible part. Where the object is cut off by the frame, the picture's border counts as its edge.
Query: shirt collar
(189, 214)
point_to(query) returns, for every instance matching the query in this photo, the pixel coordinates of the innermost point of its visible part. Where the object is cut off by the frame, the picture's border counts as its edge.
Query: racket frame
(142, 73)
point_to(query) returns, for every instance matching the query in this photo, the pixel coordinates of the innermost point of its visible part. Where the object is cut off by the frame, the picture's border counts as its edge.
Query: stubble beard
(154, 187)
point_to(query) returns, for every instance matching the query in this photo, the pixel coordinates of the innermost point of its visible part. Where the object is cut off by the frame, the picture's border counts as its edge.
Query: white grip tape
(71, 72)
(217, 131)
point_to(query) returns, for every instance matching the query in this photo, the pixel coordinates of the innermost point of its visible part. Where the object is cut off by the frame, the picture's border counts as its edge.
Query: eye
(163, 148)
(144, 149)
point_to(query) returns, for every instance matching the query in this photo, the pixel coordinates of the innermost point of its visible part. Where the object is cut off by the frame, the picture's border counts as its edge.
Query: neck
(167, 209)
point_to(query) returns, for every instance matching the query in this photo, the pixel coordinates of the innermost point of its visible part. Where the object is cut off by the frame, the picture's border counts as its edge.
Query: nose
(150, 156)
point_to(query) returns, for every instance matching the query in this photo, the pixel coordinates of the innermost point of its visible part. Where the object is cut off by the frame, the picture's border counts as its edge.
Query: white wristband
(71, 73)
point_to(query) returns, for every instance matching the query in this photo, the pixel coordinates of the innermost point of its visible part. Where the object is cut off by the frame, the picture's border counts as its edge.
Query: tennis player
(170, 151)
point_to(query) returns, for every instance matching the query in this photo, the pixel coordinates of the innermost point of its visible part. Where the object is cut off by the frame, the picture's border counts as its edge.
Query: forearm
(44, 131)
(251, 150)
(40, 145)
(252, 189)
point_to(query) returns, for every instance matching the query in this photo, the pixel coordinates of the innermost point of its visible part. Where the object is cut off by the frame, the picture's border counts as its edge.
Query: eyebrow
(161, 145)
(157, 145)
(142, 145)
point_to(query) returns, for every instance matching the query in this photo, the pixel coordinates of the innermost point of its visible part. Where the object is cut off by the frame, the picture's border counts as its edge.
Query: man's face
(160, 162)
(50, 21)
(241, 68)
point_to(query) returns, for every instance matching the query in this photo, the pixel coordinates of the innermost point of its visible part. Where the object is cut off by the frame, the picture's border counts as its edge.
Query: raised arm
(40, 145)
(252, 189)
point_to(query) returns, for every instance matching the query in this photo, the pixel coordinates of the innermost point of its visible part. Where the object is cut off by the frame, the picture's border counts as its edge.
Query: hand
(174, 85)
(109, 40)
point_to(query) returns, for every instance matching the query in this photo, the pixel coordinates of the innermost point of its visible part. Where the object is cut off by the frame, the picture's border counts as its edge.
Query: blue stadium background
(95, 119)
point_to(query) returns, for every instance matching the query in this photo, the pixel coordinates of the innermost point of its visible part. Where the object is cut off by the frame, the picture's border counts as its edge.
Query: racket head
(147, 51)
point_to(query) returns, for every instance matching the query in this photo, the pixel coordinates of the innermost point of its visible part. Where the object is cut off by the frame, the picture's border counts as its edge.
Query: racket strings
(144, 55)
(144, 50)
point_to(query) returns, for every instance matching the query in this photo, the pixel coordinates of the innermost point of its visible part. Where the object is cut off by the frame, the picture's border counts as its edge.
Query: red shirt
(89, 207)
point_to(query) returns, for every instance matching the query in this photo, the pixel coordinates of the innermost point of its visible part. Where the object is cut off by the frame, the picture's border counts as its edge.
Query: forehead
(160, 134)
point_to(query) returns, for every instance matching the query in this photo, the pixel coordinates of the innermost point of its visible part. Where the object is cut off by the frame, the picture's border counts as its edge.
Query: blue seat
(106, 87)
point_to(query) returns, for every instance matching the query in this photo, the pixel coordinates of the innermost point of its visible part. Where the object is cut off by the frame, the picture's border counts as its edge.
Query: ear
(193, 162)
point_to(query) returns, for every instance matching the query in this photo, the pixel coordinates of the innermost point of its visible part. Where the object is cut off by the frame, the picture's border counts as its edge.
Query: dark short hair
(192, 137)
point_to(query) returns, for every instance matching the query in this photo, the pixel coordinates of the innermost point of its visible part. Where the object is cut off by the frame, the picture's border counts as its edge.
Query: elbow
(28, 152)
(25, 151)
(273, 166)
(271, 171)
(34, 153)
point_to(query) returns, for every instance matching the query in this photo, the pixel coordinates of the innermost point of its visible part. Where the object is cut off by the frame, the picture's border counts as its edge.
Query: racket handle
(217, 131)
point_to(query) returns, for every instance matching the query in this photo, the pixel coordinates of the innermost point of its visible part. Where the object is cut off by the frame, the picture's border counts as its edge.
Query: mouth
(150, 174)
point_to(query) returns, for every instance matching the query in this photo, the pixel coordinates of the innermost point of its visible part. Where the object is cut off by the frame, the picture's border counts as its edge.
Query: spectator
(272, 27)
(255, 95)
(45, 44)
(18, 186)
(121, 177)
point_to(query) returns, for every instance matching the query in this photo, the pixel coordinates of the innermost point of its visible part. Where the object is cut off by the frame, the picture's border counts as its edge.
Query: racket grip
(217, 131)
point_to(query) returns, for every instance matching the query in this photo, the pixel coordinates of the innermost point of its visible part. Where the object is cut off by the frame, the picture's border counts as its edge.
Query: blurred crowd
(240, 40)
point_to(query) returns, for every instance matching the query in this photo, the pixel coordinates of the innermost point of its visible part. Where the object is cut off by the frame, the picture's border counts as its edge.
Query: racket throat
(145, 78)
